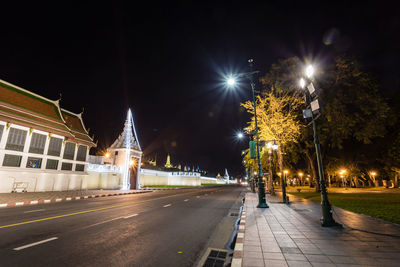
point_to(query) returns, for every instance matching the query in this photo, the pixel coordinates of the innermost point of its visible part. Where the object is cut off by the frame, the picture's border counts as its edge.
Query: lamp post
(261, 185)
(271, 146)
(312, 107)
(300, 174)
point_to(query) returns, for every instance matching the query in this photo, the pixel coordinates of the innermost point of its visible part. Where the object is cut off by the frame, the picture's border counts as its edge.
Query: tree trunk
(313, 170)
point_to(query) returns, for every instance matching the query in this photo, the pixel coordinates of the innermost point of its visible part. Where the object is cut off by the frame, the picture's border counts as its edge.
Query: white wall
(106, 178)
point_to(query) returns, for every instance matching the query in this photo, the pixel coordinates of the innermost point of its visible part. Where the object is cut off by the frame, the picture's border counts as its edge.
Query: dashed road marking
(36, 243)
(133, 215)
(168, 205)
(28, 211)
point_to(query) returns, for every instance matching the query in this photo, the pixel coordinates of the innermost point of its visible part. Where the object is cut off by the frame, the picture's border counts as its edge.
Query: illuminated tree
(277, 117)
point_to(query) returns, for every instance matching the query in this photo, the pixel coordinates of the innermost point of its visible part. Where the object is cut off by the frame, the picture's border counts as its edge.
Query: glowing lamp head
(131, 162)
(255, 173)
(231, 81)
(300, 174)
(309, 71)
(107, 155)
(285, 171)
(302, 83)
(240, 135)
(373, 173)
(274, 146)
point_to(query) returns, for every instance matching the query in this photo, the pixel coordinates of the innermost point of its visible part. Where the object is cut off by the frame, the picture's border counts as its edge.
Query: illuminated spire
(168, 163)
(128, 137)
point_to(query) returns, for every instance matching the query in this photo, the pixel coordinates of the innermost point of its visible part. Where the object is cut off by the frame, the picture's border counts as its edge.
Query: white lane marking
(103, 222)
(133, 215)
(33, 211)
(168, 205)
(34, 202)
(36, 243)
(58, 199)
(68, 198)
(186, 200)
(47, 201)
(19, 203)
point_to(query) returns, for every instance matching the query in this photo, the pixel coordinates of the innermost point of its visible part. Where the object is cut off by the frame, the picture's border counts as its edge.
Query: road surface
(162, 228)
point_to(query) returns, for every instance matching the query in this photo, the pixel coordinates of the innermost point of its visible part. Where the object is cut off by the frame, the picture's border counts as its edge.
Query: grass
(382, 206)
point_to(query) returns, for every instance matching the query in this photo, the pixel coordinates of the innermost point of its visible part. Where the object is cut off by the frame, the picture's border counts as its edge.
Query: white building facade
(42, 146)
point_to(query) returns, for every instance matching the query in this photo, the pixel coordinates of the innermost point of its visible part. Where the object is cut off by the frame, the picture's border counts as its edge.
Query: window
(116, 153)
(37, 143)
(81, 154)
(34, 163)
(16, 139)
(52, 164)
(69, 151)
(79, 167)
(12, 160)
(54, 147)
(66, 166)
(1, 131)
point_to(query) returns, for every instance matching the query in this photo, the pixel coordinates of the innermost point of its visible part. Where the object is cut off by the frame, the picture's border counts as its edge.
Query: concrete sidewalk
(19, 199)
(290, 235)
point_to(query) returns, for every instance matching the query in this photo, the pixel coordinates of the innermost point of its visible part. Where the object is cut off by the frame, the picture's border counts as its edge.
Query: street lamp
(284, 184)
(312, 112)
(372, 173)
(261, 185)
(271, 146)
(300, 174)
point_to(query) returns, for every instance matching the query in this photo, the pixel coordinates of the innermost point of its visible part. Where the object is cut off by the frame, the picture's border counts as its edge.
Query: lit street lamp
(300, 174)
(261, 185)
(312, 112)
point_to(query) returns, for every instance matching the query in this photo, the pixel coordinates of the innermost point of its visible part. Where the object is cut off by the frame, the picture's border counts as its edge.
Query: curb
(53, 200)
(237, 258)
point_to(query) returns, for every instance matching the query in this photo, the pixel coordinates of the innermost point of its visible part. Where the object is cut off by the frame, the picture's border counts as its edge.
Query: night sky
(166, 62)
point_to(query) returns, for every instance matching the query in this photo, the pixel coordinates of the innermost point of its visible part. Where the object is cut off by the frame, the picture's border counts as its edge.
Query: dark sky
(165, 62)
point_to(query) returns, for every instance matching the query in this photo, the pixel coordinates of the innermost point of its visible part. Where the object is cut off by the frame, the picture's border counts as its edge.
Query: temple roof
(22, 107)
(128, 137)
(75, 124)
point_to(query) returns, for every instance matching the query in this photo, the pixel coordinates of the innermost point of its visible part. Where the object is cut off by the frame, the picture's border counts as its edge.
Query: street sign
(252, 146)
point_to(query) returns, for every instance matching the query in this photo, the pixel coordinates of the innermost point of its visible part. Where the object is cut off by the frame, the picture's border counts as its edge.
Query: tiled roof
(75, 123)
(23, 107)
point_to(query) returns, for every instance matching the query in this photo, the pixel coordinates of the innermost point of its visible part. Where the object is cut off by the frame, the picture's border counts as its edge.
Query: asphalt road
(163, 228)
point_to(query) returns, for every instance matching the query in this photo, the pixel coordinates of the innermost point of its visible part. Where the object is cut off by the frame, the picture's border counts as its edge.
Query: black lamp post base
(262, 205)
(330, 223)
(327, 218)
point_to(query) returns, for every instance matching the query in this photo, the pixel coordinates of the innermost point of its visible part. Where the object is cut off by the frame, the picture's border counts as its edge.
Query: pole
(261, 185)
(327, 218)
(271, 182)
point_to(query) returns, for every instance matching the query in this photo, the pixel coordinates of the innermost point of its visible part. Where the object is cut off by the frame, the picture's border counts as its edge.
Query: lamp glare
(309, 71)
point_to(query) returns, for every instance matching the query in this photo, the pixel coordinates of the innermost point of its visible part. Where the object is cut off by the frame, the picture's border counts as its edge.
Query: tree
(353, 111)
(277, 118)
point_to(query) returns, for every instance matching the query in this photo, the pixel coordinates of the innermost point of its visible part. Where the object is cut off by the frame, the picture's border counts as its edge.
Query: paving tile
(253, 254)
(342, 259)
(275, 263)
(318, 258)
(252, 248)
(290, 250)
(322, 264)
(250, 262)
(388, 262)
(299, 264)
(273, 256)
(294, 257)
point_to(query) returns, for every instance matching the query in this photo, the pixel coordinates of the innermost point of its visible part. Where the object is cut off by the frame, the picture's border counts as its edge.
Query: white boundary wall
(97, 177)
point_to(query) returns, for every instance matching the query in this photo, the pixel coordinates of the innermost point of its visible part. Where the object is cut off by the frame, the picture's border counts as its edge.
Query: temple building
(41, 144)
